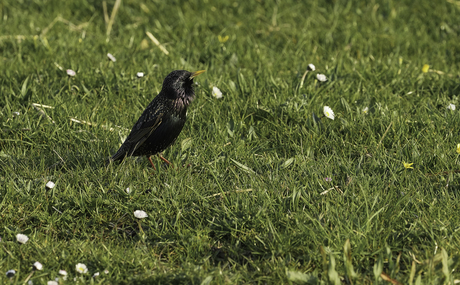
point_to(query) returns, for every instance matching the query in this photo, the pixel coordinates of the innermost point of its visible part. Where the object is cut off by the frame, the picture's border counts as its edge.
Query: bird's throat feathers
(183, 100)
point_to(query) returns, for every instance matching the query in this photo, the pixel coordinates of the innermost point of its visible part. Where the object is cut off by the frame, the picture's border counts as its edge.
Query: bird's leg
(151, 163)
(165, 160)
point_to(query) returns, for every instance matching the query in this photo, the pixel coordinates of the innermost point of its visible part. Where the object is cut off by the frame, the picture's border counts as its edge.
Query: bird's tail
(115, 157)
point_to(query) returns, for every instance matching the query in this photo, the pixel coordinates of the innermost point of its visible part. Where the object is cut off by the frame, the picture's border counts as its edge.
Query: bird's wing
(138, 136)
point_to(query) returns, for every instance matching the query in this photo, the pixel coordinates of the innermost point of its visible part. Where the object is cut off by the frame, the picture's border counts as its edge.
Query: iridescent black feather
(163, 119)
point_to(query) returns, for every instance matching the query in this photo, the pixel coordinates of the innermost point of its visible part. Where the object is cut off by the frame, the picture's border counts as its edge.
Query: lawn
(265, 189)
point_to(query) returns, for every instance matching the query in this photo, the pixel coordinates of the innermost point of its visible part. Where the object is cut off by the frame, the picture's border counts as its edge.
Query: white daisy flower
(366, 110)
(71, 73)
(140, 214)
(10, 273)
(22, 238)
(38, 265)
(451, 107)
(216, 92)
(81, 268)
(311, 67)
(321, 77)
(52, 282)
(140, 74)
(106, 271)
(50, 184)
(96, 274)
(62, 272)
(111, 57)
(328, 112)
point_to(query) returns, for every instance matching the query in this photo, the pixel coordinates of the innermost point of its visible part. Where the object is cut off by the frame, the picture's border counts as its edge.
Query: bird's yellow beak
(195, 74)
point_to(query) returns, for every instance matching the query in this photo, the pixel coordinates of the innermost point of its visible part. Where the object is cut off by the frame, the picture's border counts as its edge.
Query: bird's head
(179, 85)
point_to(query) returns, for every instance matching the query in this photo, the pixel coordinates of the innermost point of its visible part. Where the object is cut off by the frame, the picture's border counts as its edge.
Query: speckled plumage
(163, 119)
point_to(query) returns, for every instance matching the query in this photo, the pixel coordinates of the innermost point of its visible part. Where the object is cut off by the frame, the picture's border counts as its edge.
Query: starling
(162, 121)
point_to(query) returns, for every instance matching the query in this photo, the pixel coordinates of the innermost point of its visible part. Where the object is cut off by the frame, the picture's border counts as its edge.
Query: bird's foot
(151, 162)
(165, 160)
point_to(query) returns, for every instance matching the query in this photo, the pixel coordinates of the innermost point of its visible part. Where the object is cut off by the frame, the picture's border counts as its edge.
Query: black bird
(163, 119)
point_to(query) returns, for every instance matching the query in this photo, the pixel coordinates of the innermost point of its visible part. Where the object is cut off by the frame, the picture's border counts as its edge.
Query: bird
(162, 121)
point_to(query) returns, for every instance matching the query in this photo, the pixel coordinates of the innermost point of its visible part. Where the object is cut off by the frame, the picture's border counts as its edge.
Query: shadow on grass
(175, 279)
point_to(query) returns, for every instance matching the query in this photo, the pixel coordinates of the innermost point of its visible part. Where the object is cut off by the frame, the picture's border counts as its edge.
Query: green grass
(247, 201)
